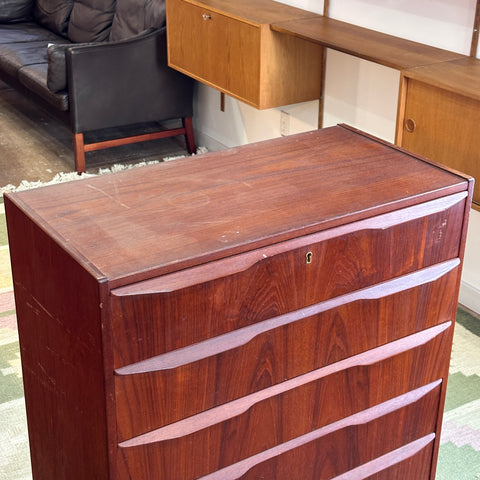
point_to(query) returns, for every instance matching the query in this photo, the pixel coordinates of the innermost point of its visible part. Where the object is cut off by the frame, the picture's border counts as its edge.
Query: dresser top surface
(140, 223)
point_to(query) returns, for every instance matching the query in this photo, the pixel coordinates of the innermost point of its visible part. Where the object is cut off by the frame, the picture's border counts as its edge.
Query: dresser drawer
(303, 411)
(414, 463)
(171, 312)
(267, 355)
(364, 448)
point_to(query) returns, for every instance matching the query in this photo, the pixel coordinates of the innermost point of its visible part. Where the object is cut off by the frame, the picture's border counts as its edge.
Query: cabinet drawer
(169, 391)
(304, 413)
(218, 50)
(171, 312)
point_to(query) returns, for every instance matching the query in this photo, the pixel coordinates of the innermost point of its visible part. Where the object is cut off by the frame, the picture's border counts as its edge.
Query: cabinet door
(443, 126)
(216, 49)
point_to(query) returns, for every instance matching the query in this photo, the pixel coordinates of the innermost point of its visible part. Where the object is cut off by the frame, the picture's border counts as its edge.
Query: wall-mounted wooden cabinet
(439, 115)
(230, 46)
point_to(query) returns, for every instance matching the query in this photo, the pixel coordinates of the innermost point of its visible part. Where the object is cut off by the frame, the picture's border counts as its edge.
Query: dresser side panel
(59, 323)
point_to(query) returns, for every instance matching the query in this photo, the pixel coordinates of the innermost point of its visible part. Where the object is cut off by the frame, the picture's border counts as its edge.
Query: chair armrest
(126, 82)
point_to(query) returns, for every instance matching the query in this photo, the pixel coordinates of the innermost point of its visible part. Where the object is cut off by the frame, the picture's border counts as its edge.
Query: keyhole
(308, 257)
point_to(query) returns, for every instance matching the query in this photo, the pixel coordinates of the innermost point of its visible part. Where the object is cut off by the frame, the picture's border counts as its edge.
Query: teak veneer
(281, 310)
(361, 42)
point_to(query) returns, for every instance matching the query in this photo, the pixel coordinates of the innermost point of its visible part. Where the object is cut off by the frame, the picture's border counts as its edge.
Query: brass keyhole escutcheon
(308, 257)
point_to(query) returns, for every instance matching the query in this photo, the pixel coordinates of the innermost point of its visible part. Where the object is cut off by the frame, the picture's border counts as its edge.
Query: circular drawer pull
(410, 125)
(206, 16)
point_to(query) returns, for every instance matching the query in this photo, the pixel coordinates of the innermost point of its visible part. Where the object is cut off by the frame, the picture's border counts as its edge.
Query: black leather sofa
(98, 64)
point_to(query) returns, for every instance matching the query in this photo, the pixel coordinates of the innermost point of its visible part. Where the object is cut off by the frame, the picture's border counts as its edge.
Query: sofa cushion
(27, 32)
(53, 14)
(15, 10)
(14, 56)
(91, 20)
(57, 71)
(24, 44)
(135, 16)
(34, 77)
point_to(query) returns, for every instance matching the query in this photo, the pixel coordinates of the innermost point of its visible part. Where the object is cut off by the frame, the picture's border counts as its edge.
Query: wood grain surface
(154, 220)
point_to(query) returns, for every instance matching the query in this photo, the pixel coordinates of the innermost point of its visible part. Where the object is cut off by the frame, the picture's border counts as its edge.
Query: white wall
(362, 94)
(357, 92)
(441, 23)
(470, 290)
(240, 123)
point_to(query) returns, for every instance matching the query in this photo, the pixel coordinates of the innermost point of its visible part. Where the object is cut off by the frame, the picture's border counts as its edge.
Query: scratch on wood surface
(109, 196)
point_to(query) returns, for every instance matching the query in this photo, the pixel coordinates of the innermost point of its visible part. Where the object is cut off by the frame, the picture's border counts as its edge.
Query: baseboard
(470, 296)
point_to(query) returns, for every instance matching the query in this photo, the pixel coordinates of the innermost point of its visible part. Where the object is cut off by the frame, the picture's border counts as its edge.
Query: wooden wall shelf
(364, 43)
(460, 76)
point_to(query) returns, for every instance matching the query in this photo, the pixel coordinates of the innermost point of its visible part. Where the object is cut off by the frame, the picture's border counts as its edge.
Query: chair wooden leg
(80, 148)
(189, 135)
(79, 152)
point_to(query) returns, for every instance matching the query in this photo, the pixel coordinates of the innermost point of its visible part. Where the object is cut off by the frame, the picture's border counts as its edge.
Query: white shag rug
(71, 176)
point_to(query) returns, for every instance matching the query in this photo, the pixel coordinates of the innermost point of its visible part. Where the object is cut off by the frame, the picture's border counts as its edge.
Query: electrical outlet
(284, 123)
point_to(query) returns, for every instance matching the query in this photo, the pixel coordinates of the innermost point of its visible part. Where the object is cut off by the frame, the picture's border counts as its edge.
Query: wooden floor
(34, 145)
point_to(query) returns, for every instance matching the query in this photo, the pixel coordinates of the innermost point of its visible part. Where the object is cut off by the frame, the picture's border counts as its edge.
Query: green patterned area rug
(459, 457)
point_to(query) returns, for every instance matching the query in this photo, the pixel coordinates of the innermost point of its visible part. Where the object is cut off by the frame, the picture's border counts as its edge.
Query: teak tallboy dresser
(279, 311)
